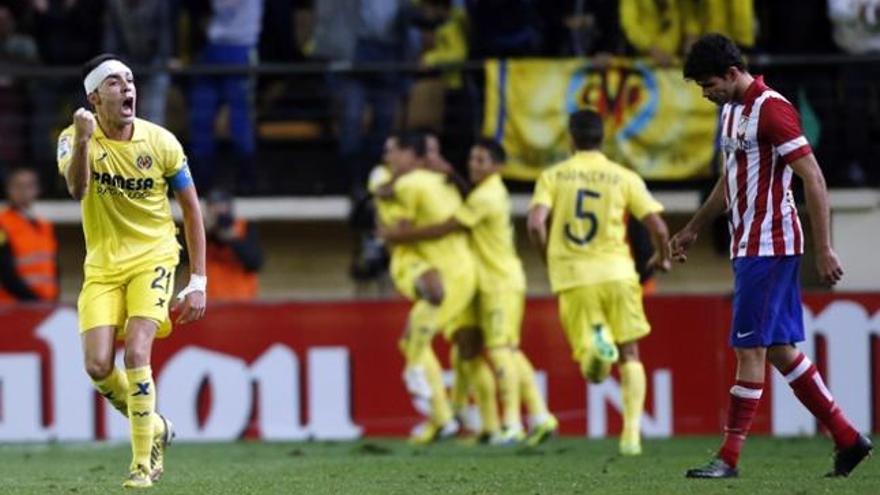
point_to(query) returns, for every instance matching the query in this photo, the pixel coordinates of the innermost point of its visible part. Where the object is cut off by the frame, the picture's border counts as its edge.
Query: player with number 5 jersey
(120, 168)
(587, 199)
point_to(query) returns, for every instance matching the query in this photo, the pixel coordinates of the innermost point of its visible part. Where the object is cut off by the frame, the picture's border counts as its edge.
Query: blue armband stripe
(182, 179)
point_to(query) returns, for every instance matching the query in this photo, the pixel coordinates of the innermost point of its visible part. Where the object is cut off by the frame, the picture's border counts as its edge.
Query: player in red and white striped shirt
(760, 136)
(763, 147)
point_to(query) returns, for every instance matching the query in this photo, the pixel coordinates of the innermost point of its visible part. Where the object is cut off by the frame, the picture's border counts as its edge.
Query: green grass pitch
(561, 466)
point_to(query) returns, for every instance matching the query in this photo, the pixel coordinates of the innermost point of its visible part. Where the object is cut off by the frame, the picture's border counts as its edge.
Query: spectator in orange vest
(28, 249)
(234, 254)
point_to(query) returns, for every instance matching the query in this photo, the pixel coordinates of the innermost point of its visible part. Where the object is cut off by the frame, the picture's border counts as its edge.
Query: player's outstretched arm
(816, 193)
(192, 299)
(77, 175)
(383, 230)
(711, 208)
(402, 234)
(662, 258)
(537, 228)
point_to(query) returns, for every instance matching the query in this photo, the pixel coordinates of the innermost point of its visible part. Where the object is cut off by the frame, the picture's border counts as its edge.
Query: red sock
(744, 398)
(807, 384)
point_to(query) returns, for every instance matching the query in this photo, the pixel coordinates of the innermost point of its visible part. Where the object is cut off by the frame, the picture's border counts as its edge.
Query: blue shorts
(766, 301)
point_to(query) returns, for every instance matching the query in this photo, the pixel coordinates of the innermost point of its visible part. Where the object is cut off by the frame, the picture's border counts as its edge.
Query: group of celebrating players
(453, 257)
(456, 260)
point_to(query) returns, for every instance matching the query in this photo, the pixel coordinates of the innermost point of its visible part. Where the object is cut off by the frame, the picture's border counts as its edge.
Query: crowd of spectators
(359, 108)
(365, 105)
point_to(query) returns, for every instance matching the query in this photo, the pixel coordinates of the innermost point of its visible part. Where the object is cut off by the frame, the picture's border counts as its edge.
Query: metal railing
(297, 125)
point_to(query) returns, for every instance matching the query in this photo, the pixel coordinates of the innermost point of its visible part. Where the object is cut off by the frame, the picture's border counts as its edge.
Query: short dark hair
(96, 61)
(494, 148)
(712, 55)
(410, 140)
(586, 129)
(424, 133)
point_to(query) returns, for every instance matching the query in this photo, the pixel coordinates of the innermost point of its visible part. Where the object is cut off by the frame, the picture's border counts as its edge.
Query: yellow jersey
(126, 214)
(589, 196)
(406, 265)
(486, 212)
(387, 209)
(427, 198)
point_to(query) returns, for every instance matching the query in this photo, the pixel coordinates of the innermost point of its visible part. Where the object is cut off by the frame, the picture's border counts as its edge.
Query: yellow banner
(655, 122)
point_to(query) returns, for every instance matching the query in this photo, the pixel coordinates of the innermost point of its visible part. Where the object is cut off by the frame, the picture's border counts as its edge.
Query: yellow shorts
(405, 269)
(459, 308)
(616, 305)
(501, 314)
(143, 291)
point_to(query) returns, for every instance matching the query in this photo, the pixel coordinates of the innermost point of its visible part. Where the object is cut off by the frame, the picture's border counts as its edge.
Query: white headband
(101, 72)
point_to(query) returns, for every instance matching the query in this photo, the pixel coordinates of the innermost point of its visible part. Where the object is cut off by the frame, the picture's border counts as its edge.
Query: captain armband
(182, 179)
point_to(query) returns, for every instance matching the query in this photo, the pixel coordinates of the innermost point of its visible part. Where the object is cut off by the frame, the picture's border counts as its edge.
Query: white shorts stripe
(746, 393)
(799, 370)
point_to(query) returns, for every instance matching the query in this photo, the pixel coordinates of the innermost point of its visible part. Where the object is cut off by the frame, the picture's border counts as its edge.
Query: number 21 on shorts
(163, 275)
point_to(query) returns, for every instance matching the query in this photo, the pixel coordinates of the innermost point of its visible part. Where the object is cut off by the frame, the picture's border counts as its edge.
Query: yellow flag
(655, 122)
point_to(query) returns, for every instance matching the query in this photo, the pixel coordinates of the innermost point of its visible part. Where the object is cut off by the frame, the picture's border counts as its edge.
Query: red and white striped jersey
(760, 136)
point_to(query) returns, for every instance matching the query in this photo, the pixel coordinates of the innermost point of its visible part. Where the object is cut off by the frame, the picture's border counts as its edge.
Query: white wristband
(197, 283)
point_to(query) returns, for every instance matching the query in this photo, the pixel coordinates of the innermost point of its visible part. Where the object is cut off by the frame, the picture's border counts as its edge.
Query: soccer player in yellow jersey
(416, 280)
(501, 283)
(407, 266)
(444, 288)
(586, 199)
(120, 169)
(409, 271)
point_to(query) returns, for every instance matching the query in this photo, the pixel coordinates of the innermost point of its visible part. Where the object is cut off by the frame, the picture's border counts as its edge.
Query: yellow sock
(420, 330)
(142, 409)
(528, 389)
(632, 388)
(441, 412)
(417, 350)
(507, 377)
(114, 387)
(460, 385)
(480, 376)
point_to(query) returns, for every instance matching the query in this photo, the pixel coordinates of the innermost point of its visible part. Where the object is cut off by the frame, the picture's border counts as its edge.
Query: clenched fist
(83, 124)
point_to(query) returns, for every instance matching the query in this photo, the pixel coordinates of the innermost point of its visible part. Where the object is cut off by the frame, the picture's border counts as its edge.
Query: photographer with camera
(234, 254)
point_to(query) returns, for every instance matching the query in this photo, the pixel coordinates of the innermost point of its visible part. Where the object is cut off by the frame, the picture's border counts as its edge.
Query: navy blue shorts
(766, 301)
